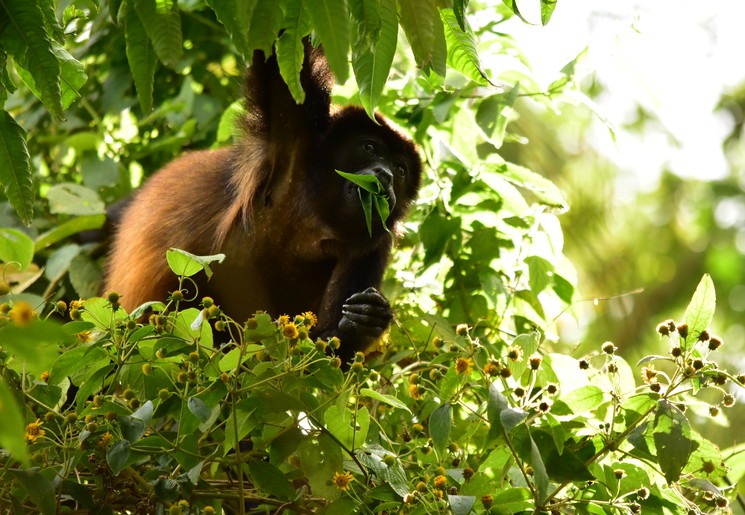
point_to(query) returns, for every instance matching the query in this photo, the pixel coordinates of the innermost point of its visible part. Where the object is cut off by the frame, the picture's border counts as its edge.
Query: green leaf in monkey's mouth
(372, 193)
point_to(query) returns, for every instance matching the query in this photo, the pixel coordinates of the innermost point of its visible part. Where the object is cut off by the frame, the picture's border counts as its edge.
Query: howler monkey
(293, 230)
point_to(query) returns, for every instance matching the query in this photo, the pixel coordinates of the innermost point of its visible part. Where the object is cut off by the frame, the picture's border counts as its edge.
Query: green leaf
(67, 229)
(494, 113)
(74, 199)
(440, 422)
(371, 61)
(265, 328)
(386, 399)
(540, 273)
(331, 22)
(495, 404)
(117, 456)
(36, 345)
(371, 194)
(511, 417)
(12, 428)
(270, 479)
(461, 504)
(547, 9)
(265, 23)
(40, 489)
(459, 8)
(15, 169)
(26, 40)
(671, 433)
(584, 398)
(290, 48)
(187, 264)
(529, 344)
(367, 15)
(72, 75)
(140, 55)
(342, 424)
(418, 19)
(545, 190)
(85, 276)
(235, 25)
(162, 22)
(16, 246)
(700, 310)
(199, 408)
(539, 471)
(462, 53)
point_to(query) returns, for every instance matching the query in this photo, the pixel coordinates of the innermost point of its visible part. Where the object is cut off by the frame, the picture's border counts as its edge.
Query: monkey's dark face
(357, 145)
(368, 154)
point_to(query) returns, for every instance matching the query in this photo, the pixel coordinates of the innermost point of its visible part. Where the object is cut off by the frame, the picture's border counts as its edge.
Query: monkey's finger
(363, 319)
(369, 296)
(348, 326)
(367, 309)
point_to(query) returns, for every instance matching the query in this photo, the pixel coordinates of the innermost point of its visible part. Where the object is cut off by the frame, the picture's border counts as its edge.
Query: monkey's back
(179, 207)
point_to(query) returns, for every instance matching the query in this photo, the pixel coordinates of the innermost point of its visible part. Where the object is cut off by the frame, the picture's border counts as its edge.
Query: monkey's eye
(400, 170)
(369, 148)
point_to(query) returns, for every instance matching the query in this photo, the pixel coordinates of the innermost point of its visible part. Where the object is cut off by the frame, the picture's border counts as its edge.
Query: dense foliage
(469, 405)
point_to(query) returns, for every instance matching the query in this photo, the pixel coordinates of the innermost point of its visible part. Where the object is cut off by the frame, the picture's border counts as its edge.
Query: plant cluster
(156, 416)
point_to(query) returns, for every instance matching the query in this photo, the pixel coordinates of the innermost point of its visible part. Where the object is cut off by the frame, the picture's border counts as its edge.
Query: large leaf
(289, 48)
(162, 22)
(15, 170)
(140, 55)
(227, 14)
(25, 38)
(264, 25)
(16, 246)
(672, 438)
(270, 479)
(40, 489)
(331, 22)
(700, 310)
(11, 430)
(462, 53)
(440, 422)
(372, 56)
(419, 19)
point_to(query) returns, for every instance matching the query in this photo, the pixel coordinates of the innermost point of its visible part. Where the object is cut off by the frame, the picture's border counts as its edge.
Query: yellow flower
(44, 376)
(283, 320)
(440, 481)
(76, 304)
(290, 331)
(342, 480)
(463, 365)
(84, 336)
(310, 318)
(22, 313)
(649, 374)
(105, 439)
(491, 369)
(514, 353)
(34, 431)
(415, 391)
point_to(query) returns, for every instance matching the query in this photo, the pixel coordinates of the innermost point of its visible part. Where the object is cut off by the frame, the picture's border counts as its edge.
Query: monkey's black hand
(365, 316)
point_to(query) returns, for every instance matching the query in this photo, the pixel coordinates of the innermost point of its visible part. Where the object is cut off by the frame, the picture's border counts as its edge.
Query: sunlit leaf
(700, 310)
(672, 439)
(162, 22)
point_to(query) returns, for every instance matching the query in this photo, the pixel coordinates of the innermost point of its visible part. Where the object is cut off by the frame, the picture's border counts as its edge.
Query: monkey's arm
(352, 309)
